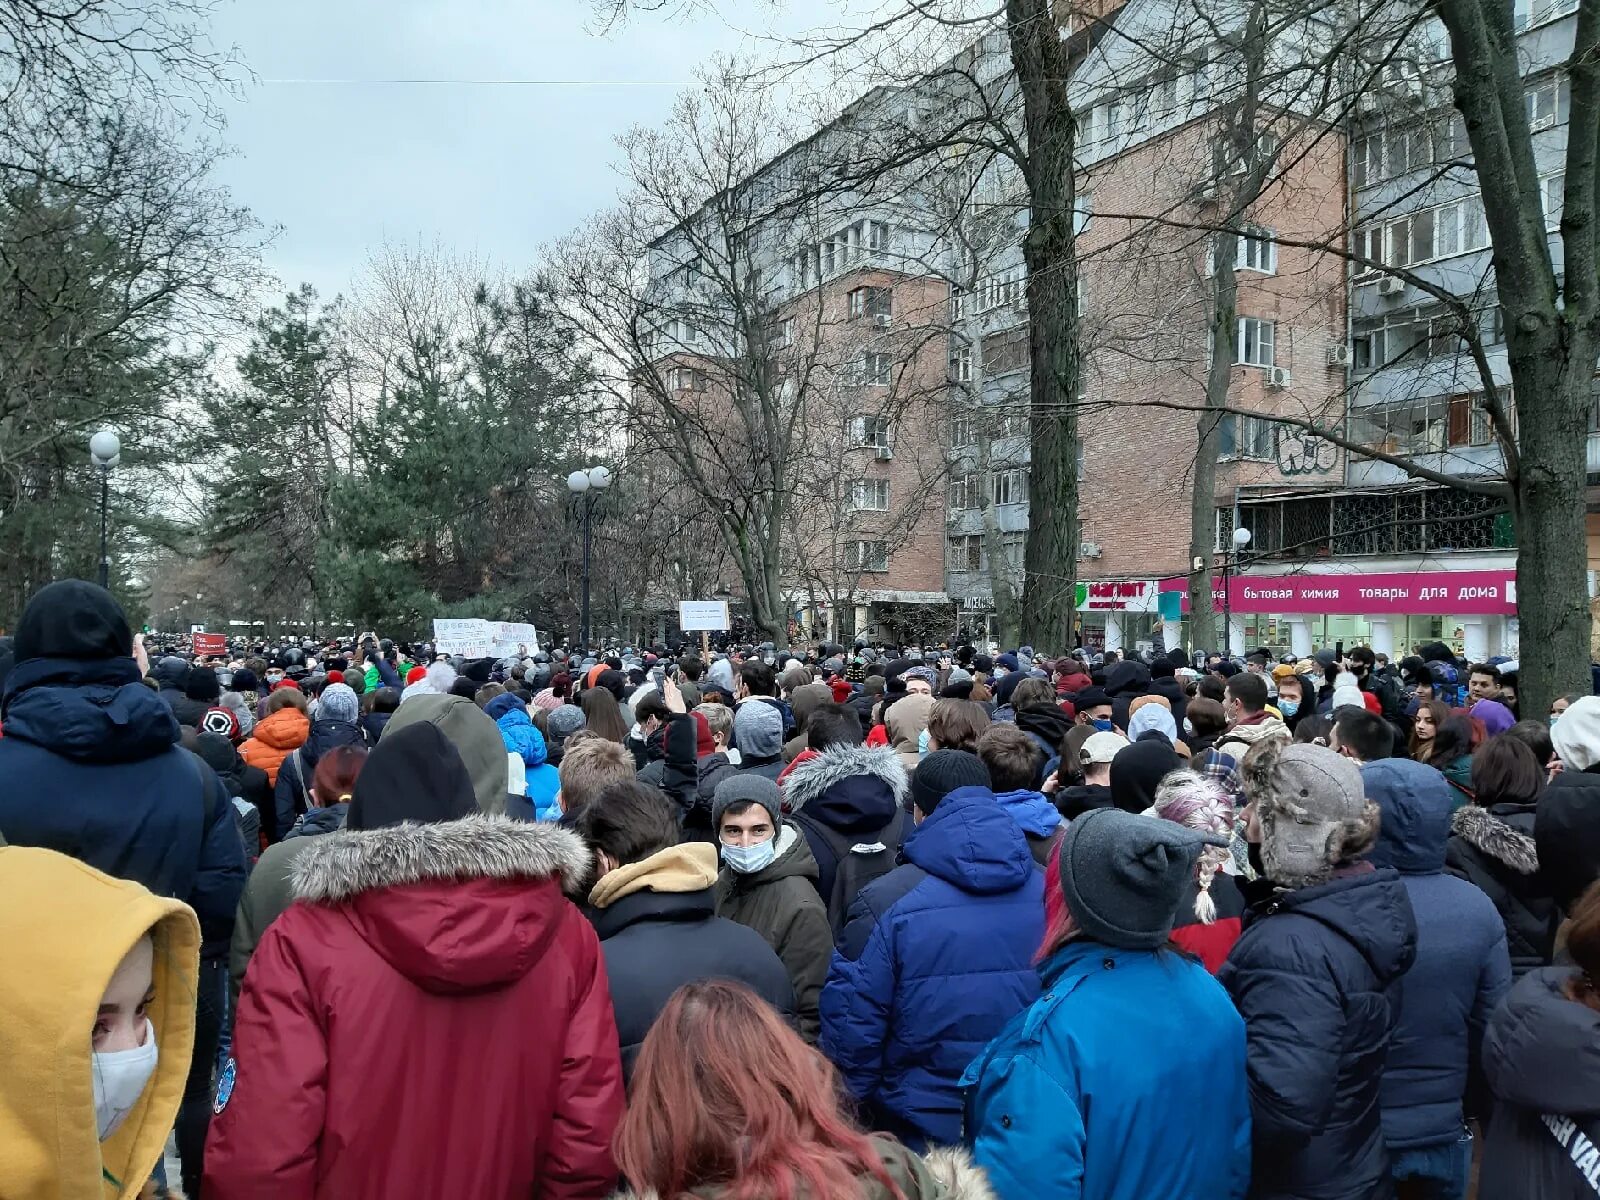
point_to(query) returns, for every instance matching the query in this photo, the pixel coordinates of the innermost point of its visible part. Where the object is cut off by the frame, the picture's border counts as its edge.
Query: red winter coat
(430, 1019)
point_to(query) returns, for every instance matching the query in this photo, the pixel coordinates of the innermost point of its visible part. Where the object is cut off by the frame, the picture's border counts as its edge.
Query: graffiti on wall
(1302, 453)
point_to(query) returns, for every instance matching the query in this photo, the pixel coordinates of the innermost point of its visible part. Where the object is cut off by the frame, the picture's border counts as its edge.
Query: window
(961, 431)
(958, 303)
(1450, 142)
(966, 491)
(784, 337)
(1012, 548)
(1006, 287)
(1005, 352)
(868, 556)
(878, 237)
(1245, 437)
(961, 365)
(869, 495)
(1549, 101)
(1553, 191)
(966, 553)
(1253, 347)
(1528, 13)
(1432, 233)
(1082, 213)
(1257, 250)
(870, 432)
(1009, 487)
(871, 302)
(1163, 97)
(876, 369)
(1366, 160)
(686, 379)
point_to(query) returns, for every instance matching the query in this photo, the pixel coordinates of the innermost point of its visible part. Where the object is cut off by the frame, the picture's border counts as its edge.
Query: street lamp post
(105, 451)
(1241, 539)
(586, 486)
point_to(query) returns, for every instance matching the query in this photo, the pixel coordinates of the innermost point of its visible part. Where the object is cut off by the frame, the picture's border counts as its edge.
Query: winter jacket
(383, 1046)
(1542, 1057)
(943, 1174)
(291, 792)
(240, 779)
(848, 796)
(1316, 977)
(1461, 969)
(269, 892)
(1494, 849)
(780, 902)
(1073, 802)
(189, 712)
(709, 771)
(1041, 824)
(1458, 773)
(522, 738)
(63, 930)
(90, 766)
(1566, 833)
(1048, 727)
(372, 726)
(936, 958)
(1236, 740)
(1212, 943)
(1124, 1081)
(659, 930)
(276, 737)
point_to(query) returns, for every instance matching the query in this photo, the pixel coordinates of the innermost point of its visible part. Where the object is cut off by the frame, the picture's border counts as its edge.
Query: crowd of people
(356, 919)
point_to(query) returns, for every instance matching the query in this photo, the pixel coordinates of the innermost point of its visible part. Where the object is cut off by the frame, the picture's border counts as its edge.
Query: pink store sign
(1423, 593)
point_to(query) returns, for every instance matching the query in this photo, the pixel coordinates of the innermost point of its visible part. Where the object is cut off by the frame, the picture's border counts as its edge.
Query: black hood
(72, 619)
(414, 775)
(1075, 801)
(1136, 771)
(1128, 679)
(1050, 725)
(170, 672)
(218, 753)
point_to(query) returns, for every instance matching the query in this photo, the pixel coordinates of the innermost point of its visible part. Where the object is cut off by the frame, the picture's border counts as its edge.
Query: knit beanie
(1576, 734)
(1347, 696)
(941, 773)
(1123, 875)
(220, 721)
(705, 744)
(565, 720)
(735, 789)
(758, 729)
(202, 685)
(416, 675)
(338, 703)
(244, 680)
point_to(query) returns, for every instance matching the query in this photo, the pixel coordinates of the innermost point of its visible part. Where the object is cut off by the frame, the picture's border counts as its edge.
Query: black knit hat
(202, 685)
(73, 619)
(941, 773)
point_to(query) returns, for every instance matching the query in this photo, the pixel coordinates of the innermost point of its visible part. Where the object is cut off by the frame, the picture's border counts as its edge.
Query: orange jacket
(276, 737)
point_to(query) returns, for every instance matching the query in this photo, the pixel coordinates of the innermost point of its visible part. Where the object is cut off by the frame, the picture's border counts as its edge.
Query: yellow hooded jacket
(64, 927)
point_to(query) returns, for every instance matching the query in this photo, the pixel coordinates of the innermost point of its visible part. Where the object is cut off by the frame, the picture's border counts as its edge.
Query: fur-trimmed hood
(339, 866)
(853, 789)
(943, 1173)
(1488, 834)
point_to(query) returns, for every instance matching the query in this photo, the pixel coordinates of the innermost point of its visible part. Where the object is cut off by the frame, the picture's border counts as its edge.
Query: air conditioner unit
(882, 453)
(1206, 191)
(1278, 377)
(1339, 355)
(1089, 550)
(882, 320)
(1391, 285)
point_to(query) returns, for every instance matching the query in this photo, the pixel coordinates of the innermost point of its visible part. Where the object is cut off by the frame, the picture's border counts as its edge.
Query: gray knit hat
(565, 720)
(757, 789)
(339, 703)
(1123, 875)
(1313, 810)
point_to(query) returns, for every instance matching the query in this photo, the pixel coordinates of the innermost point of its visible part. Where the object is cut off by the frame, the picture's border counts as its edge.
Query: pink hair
(1194, 801)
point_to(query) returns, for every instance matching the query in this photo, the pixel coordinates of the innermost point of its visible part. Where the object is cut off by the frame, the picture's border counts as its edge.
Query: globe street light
(586, 486)
(1241, 539)
(105, 451)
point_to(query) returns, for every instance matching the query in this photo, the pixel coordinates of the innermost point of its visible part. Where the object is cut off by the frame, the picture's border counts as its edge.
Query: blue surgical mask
(747, 860)
(1288, 707)
(1103, 724)
(1554, 717)
(922, 742)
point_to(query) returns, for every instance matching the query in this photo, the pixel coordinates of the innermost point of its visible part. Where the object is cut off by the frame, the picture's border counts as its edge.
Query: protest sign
(702, 614)
(212, 645)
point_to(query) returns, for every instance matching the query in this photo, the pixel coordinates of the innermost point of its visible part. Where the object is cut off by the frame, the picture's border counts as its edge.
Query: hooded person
(526, 745)
(282, 729)
(936, 957)
(475, 737)
(1152, 717)
(446, 926)
(1430, 1077)
(1567, 828)
(1316, 975)
(653, 905)
(1130, 1052)
(170, 673)
(1095, 751)
(97, 987)
(758, 732)
(245, 786)
(92, 767)
(1125, 683)
(1138, 770)
(907, 722)
(768, 882)
(804, 699)
(338, 712)
(1011, 760)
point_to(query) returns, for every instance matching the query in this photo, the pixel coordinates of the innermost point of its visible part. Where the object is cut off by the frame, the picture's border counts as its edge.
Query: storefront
(1123, 614)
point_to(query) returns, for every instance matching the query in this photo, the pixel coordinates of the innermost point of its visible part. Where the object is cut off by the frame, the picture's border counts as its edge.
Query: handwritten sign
(473, 637)
(702, 614)
(212, 645)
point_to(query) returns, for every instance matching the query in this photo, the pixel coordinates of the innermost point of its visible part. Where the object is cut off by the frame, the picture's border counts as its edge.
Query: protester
(1491, 845)
(956, 725)
(338, 710)
(1566, 829)
(907, 722)
(655, 911)
(282, 729)
(590, 765)
(1137, 770)
(1316, 976)
(1013, 759)
(1127, 1078)
(475, 738)
(1425, 725)
(1451, 755)
(97, 985)
(1098, 752)
(603, 714)
(1542, 1058)
(1245, 707)
(937, 956)
(525, 744)
(727, 1102)
(358, 968)
(768, 882)
(1210, 915)
(1460, 973)
(758, 732)
(1360, 736)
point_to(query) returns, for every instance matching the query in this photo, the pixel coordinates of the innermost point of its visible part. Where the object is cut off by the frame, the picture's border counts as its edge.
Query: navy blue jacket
(1462, 968)
(90, 766)
(299, 767)
(936, 959)
(1316, 977)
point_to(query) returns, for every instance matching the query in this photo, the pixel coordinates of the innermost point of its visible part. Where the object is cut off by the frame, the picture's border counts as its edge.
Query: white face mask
(119, 1078)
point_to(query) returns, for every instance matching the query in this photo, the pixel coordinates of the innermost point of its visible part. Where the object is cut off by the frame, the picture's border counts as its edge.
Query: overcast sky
(488, 168)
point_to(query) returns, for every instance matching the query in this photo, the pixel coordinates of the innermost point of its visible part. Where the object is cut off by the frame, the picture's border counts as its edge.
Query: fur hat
(1313, 810)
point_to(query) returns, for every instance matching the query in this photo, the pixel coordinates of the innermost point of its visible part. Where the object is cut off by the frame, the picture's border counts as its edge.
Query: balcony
(1475, 461)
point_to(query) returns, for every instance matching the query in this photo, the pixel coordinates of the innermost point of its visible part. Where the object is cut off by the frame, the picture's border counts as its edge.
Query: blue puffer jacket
(522, 738)
(1462, 968)
(1124, 1081)
(90, 766)
(936, 958)
(1316, 976)
(1040, 821)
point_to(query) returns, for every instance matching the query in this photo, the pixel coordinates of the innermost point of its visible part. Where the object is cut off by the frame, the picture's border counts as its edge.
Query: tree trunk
(1041, 62)
(1202, 499)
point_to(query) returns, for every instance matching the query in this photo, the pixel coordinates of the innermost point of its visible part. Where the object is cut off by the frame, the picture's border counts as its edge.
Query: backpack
(859, 862)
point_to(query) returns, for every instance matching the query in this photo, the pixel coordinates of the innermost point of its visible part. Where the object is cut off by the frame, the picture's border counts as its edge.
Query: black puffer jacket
(1316, 977)
(1494, 848)
(1542, 1056)
(1568, 835)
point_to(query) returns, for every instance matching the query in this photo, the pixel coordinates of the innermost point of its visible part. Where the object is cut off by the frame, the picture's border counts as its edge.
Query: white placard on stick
(702, 614)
